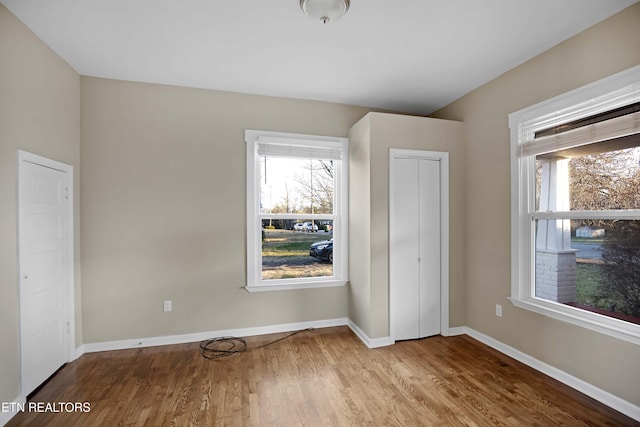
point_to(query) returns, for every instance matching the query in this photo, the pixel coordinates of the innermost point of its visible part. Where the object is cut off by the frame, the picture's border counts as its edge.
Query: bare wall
(607, 48)
(39, 113)
(163, 209)
(360, 224)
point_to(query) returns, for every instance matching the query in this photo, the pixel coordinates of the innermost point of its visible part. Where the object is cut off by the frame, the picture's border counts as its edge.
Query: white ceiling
(412, 56)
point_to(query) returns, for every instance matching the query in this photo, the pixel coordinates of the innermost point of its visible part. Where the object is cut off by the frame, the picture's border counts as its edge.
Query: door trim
(443, 158)
(26, 157)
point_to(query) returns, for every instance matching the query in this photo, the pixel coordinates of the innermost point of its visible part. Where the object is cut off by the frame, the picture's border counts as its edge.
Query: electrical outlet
(167, 305)
(498, 310)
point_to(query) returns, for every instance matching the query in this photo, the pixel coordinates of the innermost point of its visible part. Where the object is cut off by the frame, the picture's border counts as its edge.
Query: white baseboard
(9, 410)
(620, 405)
(458, 330)
(79, 352)
(370, 342)
(202, 336)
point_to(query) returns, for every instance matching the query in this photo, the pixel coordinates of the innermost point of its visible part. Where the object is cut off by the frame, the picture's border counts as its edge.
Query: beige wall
(39, 113)
(607, 48)
(370, 141)
(360, 225)
(163, 209)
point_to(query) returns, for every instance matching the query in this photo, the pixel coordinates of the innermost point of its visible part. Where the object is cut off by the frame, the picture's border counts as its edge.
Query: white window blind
(275, 147)
(618, 127)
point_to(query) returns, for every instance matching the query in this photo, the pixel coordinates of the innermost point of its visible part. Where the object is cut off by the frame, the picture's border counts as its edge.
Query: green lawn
(285, 255)
(596, 240)
(589, 283)
(289, 243)
(286, 249)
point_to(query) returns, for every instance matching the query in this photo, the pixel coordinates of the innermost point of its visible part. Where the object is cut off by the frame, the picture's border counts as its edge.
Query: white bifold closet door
(415, 232)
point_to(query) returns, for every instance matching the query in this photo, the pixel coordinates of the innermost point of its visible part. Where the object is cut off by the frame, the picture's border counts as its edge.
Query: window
(296, 211)
(575, 175)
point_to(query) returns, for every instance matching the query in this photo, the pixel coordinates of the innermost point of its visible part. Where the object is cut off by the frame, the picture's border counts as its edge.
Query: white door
(415, 247)
(404, 245)
(429, 225)
(43, 211)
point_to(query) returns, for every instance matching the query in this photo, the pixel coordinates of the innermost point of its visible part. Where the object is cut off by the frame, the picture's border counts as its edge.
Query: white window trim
(340, 225)
(604, 95)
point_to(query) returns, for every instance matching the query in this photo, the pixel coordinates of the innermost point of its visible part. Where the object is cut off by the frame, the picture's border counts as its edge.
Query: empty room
(320, 212)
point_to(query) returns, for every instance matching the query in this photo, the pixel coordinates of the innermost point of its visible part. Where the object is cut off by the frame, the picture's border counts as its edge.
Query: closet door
(405, 248)
(429, 217)
(415, 258)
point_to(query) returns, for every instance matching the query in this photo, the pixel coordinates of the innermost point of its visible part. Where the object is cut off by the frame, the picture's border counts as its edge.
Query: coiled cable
(217, 348)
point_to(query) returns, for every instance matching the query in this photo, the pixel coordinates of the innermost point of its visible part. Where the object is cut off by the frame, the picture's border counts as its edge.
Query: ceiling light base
(325, 10)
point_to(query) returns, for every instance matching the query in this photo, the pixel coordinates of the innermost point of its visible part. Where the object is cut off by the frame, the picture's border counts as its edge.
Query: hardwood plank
(315, 378)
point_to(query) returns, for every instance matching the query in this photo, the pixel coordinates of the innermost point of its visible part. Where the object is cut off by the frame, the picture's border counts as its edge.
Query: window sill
(593, 321)
(294, 286)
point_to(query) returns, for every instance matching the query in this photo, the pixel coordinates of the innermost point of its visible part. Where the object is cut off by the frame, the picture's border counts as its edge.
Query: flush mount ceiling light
(325, 10)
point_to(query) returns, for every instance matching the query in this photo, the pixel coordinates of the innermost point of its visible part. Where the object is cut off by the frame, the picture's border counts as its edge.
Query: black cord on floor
(217, 348)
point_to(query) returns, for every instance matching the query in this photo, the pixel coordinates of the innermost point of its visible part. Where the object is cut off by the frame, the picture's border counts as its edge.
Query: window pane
(609, 180)
(292, 185)
(593, 180)
(297, 249)
(595, 268)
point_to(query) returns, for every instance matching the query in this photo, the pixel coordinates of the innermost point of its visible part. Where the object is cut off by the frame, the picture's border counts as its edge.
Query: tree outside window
(609, 280)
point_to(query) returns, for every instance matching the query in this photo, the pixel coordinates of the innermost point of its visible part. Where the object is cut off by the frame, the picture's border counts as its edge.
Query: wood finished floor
(323, 377)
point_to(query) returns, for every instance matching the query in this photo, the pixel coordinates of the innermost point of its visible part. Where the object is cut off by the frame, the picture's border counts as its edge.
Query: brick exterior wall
(556, 275)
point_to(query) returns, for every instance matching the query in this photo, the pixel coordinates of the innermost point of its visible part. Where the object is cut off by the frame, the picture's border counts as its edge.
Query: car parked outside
(307, 226)
(298, 226)
(322, 250)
